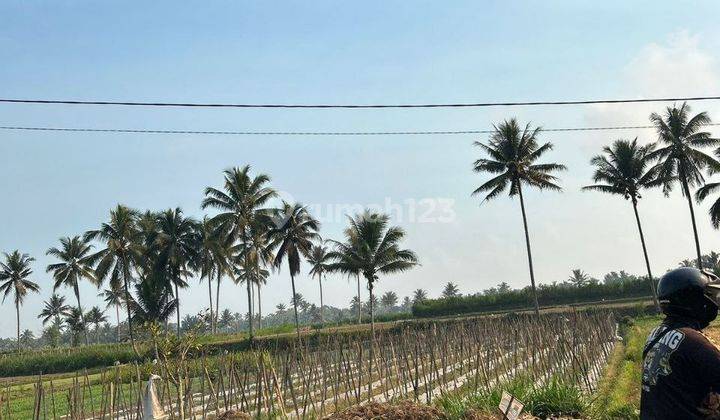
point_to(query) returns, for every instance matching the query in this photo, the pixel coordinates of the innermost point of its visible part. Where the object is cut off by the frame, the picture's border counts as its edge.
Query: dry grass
(405, 410)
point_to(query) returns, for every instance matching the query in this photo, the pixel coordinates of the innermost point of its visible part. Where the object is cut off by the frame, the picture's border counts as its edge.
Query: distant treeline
(615, 286)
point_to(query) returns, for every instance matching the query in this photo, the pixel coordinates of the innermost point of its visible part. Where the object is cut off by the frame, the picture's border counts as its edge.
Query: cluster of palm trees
(145, 258)
(624, 168)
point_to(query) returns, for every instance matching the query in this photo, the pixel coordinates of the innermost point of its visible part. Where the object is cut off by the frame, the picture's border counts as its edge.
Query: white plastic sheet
(152, 409)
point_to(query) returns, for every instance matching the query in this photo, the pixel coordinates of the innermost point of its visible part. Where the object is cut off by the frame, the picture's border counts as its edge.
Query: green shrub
(548, 295)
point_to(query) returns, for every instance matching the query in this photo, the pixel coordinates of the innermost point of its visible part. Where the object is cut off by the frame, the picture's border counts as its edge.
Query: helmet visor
(712, 288)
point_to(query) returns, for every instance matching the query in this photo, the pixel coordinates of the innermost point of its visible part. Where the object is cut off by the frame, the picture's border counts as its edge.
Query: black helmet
(691, 293)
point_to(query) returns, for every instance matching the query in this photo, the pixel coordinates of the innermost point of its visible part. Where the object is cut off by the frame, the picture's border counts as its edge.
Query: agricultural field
(450, 364)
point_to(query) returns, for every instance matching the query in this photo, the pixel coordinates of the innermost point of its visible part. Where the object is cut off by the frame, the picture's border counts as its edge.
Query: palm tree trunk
(212, 318)
(126, 275)
(259, 308)
(17, 313)
(372, 310)
(686, 189)
(359, 301)
(529, 252)
(647, 260)
(250, 302)
(322, 306)
(177, 308)
(217, 301)
(372, 338)
(117, 328)
(82, 315)
(297, 322)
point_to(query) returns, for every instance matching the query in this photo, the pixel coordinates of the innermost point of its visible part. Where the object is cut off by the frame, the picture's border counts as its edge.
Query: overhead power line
(354, 106)
(306, 133)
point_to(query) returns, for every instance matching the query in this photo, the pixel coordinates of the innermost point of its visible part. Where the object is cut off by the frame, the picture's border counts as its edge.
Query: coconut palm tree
(578, 278)
(406, 304)
(75, 265)
(512, 153)
(319, 260)
(389, 300)
(122, 254)
(54, 308)
(154, 302)
(76, 325)
(419, 295)
(701, 194)
(175, 247)
(241, 203)
(681, 158)
(211, 261)
(226, 319)
(624, 169)
(349, 266)
(251, 256)
(27, 338)
(96, 317)
(356, 305)
(256, 277)
(450, 291)
(14, 278)
(116, 298)
(293, 238)
(372, 247)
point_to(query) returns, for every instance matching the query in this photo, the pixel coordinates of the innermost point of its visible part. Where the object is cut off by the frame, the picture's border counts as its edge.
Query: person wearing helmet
(681, 367)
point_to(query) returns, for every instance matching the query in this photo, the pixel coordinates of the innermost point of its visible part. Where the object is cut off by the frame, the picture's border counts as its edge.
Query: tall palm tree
(372, 247)
(680, 156)
(54, 308)
(319, 261)
(211, 261)
(75, 265)
(251, 256)
(116, 298)
(122, 254)
(294, 239)
(175, 245)
(624, 169)
(241, 203)
(96, 317)
(14, 278)
(255, 277)
(512, 152)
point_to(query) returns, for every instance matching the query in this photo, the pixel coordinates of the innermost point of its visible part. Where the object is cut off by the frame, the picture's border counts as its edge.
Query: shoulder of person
(709, 337)
(693, 336)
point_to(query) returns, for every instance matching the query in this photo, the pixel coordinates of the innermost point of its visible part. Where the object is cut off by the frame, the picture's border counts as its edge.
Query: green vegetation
(618, 393)
(626, 287)
(552, 398)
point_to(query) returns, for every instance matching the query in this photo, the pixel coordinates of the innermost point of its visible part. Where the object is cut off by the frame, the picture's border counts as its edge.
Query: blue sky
(57, 184)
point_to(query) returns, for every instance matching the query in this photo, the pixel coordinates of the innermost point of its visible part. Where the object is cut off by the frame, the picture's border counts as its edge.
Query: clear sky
(58, 184)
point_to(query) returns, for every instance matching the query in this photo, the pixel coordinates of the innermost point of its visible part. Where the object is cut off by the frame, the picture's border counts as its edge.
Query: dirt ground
(405, 410)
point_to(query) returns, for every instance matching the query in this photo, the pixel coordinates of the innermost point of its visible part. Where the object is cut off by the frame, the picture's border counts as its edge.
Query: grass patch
(554, 398)
(618, 393)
